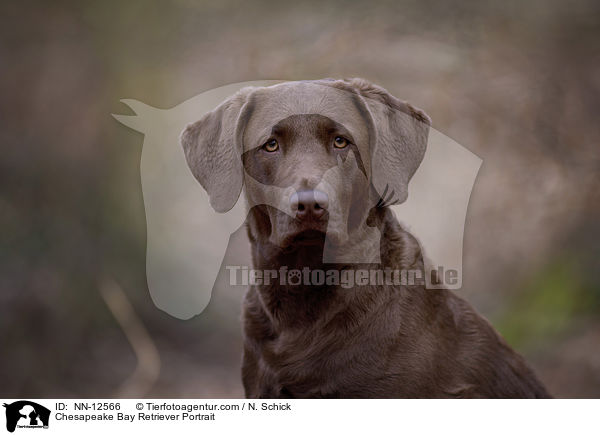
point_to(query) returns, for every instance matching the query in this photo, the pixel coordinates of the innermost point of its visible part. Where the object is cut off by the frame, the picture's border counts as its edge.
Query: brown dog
(320, 162)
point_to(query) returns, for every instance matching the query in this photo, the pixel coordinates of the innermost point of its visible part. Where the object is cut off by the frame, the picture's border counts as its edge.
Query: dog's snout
(309, 203)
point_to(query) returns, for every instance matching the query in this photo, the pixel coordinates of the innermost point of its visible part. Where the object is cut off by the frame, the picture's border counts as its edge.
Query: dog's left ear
(401, 132)
(213, 149)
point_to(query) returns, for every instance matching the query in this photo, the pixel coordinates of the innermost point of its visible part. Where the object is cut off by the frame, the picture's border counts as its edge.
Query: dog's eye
(271, 146)
(340, 142)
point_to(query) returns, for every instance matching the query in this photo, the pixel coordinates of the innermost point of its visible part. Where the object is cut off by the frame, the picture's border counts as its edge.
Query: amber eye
(271, 146)
(340, 142)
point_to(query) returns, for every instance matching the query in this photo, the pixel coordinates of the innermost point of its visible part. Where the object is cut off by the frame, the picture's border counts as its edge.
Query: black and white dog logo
(26, 414)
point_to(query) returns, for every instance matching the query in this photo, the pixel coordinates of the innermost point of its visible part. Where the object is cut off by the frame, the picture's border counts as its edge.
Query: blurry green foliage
(549, 303)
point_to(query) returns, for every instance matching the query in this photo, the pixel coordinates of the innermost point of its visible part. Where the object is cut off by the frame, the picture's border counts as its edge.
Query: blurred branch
(146, 373)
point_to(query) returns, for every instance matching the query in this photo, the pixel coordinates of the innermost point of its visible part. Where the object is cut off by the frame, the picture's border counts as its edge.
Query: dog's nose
(309, 203)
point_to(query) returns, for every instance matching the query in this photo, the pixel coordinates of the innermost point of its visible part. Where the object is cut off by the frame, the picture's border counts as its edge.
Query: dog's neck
(290, 303)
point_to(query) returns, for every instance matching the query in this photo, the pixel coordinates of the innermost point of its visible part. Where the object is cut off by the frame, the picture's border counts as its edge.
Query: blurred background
(517, 83)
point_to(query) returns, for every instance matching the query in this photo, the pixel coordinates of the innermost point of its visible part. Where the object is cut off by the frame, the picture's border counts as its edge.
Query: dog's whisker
(385, 191)
(391, 195)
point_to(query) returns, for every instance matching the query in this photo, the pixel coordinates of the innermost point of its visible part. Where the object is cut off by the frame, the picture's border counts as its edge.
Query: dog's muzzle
(309, 204)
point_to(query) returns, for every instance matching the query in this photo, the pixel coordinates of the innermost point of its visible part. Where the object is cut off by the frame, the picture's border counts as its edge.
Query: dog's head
(314, 156)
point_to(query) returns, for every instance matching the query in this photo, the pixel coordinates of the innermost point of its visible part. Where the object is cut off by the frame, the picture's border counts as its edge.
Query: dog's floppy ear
(401, 132)
(213, 150)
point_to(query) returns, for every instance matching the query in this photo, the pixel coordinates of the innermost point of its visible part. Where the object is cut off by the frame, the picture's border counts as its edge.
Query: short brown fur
(329, 341)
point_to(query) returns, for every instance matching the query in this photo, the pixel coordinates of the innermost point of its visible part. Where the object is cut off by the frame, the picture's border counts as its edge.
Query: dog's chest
(314, 364)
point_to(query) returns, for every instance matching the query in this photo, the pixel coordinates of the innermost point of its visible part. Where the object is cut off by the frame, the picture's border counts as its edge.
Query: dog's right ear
(213, 149)
(401, 132)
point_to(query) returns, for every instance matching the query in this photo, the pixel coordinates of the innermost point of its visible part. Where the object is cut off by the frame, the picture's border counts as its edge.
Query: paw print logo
(294, 275)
